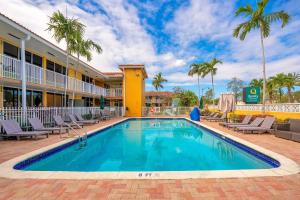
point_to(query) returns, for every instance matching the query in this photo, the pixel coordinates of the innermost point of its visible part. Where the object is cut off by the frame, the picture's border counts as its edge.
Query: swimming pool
(137, 145)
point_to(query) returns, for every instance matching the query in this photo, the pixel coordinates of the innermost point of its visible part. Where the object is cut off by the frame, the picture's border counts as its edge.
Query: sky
(168, 36)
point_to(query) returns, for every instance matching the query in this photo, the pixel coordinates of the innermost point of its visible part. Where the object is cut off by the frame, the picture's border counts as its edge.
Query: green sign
(251, 95)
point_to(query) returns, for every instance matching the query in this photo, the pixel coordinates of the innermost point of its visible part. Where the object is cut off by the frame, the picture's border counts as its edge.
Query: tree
(64, 28)
(210, 68)
(158, 80)
(235, 86)
(279, 82)
(257, 83)
(292, 79)
(195, 68)
(271, 86)
(82, 47)
(208, 95)
(259, 19)
(186, 98)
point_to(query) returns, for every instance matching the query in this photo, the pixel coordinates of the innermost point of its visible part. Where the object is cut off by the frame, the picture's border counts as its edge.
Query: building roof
(113, 74)
(134, 66)
(158, 93)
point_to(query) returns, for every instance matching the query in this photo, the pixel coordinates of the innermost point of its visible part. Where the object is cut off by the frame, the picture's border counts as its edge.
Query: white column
(23, 74)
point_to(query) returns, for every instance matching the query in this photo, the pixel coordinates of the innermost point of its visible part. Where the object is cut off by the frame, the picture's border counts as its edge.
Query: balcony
(10, 68)
(114, 92)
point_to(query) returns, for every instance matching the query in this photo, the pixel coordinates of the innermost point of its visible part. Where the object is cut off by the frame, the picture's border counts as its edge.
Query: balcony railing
(114, 92)
(11, 68)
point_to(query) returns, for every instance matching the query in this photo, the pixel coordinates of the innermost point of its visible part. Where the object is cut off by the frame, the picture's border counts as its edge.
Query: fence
(166, 111)
(45, 114)
(280, 107)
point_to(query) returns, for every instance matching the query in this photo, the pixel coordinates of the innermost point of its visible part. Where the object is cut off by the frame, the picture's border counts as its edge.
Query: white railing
(280, 107)
(45, 114)
(114, 92)
(35, 74)
(11, 68)
(166, 111)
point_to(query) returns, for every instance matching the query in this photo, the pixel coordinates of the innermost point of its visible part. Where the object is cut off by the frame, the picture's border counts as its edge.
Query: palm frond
(278, 16)
(247, 10)
(265, 27)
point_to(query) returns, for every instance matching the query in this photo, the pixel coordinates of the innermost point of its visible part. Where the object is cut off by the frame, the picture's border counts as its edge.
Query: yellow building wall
(277, 115)
(77, 75)
(133, 87)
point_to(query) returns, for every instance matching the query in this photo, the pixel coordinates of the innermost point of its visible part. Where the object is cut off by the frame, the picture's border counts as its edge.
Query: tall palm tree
(195, 69)
(65, 28)
(259, 19)
(158, 80)
(271, 86)
(82, 47)
(279, 81)
(210, 68)
(292, 79)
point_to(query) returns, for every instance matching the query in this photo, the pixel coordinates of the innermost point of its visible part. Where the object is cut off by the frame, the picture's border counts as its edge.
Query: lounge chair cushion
(36, 123)
(295, 125)
(284, 134)
(296, 137)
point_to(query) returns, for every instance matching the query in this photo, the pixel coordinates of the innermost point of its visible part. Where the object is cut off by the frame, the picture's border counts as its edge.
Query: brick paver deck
(287, 187)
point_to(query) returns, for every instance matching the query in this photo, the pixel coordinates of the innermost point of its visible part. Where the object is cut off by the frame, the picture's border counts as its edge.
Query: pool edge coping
(287, 166)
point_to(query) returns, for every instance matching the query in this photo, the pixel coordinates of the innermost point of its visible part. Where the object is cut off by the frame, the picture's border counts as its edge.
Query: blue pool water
(150, 145)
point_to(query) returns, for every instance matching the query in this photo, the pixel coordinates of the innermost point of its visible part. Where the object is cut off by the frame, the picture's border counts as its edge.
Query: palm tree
(256, 83)
(82, 47)
(195, 69)
(279, 82)
(209, 68)
(157, 81)
(292, 79)
(64, 28)
(271, 86)
(259, 19)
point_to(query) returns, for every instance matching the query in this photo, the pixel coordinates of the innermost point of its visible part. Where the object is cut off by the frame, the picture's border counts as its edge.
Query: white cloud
(118, 31)
(200, 19)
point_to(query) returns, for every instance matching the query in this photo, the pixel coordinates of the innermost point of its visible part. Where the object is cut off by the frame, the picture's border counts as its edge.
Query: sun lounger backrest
(79, 117)
(257, 121)
(295, 125)
(215, 114)
(11, 126)
(247, 119)
(72, 118)
(58, 120)
(268, 122)
(36, 123)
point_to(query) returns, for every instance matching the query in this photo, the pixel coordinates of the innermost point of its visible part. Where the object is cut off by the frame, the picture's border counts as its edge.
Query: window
(27, 56)
(50, 65)
(28, 98)
(37, 98)
(58, 68)
(10, 50)
(55, 100)
(88, 102)
(87, 79)
(10, 97)
(37, 60)
(50, 99)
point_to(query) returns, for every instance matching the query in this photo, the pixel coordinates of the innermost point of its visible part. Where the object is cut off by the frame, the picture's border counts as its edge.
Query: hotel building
(49, 80)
